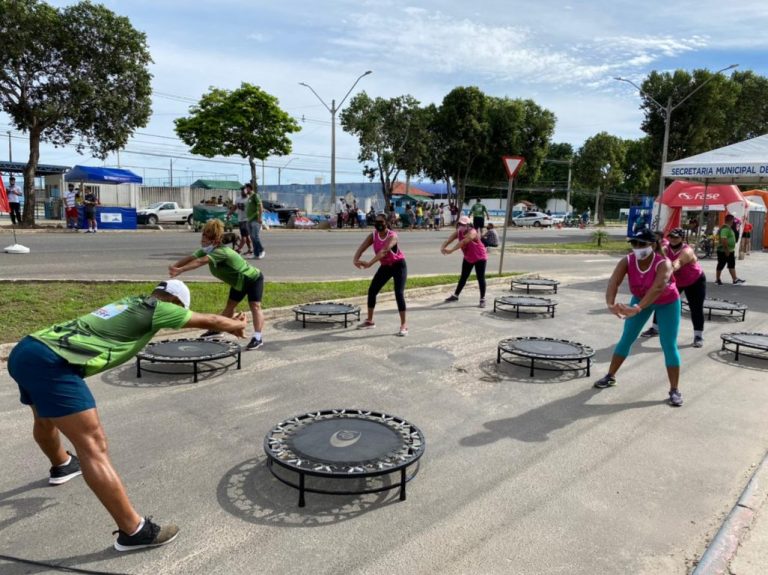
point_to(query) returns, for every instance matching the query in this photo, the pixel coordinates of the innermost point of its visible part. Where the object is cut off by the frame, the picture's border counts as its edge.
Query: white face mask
(208, 249)
(642, 253)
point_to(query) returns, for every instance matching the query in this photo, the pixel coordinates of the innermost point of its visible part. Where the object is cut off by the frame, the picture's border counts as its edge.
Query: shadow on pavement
(15, 510)
(729, 358)
(494, 372)
(175, 375)
(251, 493)
(536, 424)
(24, 566)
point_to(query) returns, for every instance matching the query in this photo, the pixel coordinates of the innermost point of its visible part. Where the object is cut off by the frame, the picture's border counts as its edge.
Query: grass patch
(29, 306)
(588, 246)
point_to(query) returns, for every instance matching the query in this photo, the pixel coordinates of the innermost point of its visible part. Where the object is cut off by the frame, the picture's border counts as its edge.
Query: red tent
(4, 207)
(681, 194)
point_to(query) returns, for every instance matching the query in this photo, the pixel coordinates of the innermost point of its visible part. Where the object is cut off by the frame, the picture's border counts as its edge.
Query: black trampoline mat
(528, 301)
(536, 282)
(723, 304)
(190, 349)
(755, 340)
(326, 308)
(346, 440)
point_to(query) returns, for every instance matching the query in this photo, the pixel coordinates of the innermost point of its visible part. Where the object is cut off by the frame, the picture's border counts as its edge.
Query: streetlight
(667, 113)
(333, 108)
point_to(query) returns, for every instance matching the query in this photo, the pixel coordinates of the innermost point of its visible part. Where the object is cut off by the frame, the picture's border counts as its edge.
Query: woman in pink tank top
(392, 265)
(690, 279)
(653, 289)
(475, 256)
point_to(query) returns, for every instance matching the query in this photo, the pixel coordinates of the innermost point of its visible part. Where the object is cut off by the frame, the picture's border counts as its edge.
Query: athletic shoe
(718, 282)
(261, 255)
(698, 341)
(650, 332)
(151, 535)
(367, 324)
(482, 302)
(403, 331)
(675, 398)
(210, 333)
(738, 281)
(452, 297)
(606, 381)
(63, 473)
(254, 344)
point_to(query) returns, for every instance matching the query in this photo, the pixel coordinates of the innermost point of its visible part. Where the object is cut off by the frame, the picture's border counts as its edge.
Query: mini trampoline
(343, 444)
(530, 303)
(756, 341)
(545, 349)
(331, 312)
(534, 282)
(724, 307)
(194, 351)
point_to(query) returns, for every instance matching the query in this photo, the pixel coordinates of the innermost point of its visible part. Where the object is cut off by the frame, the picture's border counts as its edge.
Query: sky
(561, 54)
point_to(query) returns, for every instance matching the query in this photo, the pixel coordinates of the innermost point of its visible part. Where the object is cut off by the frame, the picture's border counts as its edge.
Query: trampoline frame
(526, 282)
(729, 340)
(740, 308)
(546, 303)
(532, 356)
(234, 351)
(281, 454)
(354, 310)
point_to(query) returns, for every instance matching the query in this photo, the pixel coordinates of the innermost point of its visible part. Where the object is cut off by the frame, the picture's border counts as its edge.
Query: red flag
(4, 207)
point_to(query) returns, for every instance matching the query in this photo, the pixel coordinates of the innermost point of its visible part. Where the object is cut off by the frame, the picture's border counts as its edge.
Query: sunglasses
(638, 244)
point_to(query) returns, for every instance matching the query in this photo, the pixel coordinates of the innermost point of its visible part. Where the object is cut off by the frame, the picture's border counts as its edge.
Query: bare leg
(673, 373)
(402, 317)
(48, 439)
(370, 314)
(85, 432)
(616, 362)
(258, 315)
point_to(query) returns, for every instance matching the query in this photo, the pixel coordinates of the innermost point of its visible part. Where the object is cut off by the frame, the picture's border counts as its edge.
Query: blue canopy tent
(114, 218)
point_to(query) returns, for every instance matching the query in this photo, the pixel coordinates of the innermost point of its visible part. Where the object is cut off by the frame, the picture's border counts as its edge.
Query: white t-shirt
(16, 192)
(69, 199)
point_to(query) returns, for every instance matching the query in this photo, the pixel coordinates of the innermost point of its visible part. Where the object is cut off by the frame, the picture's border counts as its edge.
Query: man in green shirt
(726, 247)
(254, 211)
(49, 366)
(478, 213)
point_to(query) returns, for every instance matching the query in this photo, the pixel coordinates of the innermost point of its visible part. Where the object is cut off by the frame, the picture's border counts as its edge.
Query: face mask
(675, 247)
(208, 249)
(381, 226)
(642, 253)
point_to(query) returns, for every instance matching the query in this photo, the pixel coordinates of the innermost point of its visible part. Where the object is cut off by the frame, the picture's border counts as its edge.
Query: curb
(722, 549)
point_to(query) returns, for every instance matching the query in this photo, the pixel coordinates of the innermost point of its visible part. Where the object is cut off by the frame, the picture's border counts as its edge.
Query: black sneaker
(607, 381)
(254, 344)
(151, 535)
(738, 281)
(452, 297)
(698, 341)
(211, 333)
(675, 398)
(718, 282)
(63, 473)
(650, 332)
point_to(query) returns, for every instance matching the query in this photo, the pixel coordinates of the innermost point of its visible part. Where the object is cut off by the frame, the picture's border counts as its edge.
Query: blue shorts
(47, 381)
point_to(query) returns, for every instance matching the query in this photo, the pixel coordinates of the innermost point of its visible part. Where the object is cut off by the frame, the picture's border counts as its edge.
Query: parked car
(537, 219)
(558, 218)
(164, 213)
(283, 212)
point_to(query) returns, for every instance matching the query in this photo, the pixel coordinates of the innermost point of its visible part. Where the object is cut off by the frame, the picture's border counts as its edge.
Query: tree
(599, 165)
(79, 72)
(749, 116)
(246, 122)
(392, 136)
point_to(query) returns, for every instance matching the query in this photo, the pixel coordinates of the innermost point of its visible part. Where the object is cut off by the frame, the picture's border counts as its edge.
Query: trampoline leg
(302, 503)
(737, 352)
(194, 370)
(402, 484)
(517, 310)
(588, 364)
(498, 355)
(239, 357)
(532, 360)
(138, 367)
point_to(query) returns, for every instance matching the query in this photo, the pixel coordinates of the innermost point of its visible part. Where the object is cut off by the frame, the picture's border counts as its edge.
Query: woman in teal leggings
(653, 290)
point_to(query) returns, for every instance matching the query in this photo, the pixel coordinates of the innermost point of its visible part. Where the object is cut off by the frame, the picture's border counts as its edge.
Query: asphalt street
(524, 475)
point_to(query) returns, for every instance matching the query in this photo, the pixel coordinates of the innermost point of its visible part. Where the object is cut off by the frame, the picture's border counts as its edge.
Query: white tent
(742, 163)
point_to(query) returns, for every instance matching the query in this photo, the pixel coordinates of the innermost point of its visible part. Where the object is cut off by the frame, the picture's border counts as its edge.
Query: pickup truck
(164, 213)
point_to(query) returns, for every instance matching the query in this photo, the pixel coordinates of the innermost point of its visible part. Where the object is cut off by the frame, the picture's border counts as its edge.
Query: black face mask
(674, 247)
(381, 226)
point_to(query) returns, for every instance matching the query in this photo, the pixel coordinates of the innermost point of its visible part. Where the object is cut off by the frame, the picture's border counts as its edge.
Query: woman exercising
(475, 256)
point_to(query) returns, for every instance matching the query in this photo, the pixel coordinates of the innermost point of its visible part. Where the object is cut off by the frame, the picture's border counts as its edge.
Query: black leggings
(466, 269)
(398, 271)
(695, 293)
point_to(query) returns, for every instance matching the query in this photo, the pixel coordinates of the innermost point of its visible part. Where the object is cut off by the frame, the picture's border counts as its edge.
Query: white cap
(176, 288)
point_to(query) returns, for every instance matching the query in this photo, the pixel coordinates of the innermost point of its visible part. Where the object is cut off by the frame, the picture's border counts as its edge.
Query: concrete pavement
(520, 475)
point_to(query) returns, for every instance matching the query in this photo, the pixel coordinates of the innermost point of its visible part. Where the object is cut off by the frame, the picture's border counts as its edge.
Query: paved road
(291, 255)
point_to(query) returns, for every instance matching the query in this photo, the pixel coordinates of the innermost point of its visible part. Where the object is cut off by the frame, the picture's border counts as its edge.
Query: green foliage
(599, 166)
(392, 134)
(246, 122)
(78, 73)
(599, 237)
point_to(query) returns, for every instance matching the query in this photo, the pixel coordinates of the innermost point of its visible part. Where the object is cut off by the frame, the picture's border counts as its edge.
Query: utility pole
(10, 149)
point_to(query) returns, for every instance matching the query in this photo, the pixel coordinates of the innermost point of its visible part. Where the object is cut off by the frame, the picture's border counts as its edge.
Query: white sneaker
(403, 331)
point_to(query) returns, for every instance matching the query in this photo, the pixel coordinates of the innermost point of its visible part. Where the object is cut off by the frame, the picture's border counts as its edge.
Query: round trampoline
(531, 304)
(326, 312)
(344, 444)
(194, 351)
(756, 341)
(545, 349)
(528, 283)
(723, 307)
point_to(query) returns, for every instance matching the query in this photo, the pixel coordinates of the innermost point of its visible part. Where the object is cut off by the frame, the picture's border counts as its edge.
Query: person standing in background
(70, 208)
(479, 214)
(15, 194)
(90, 202)
(254, 212)
(726, 246)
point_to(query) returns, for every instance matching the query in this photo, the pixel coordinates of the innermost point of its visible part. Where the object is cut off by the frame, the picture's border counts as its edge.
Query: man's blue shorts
(47, 381)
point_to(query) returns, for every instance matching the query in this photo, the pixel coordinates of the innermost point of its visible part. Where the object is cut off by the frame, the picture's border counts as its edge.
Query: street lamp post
(333, 108)
(667, 112)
